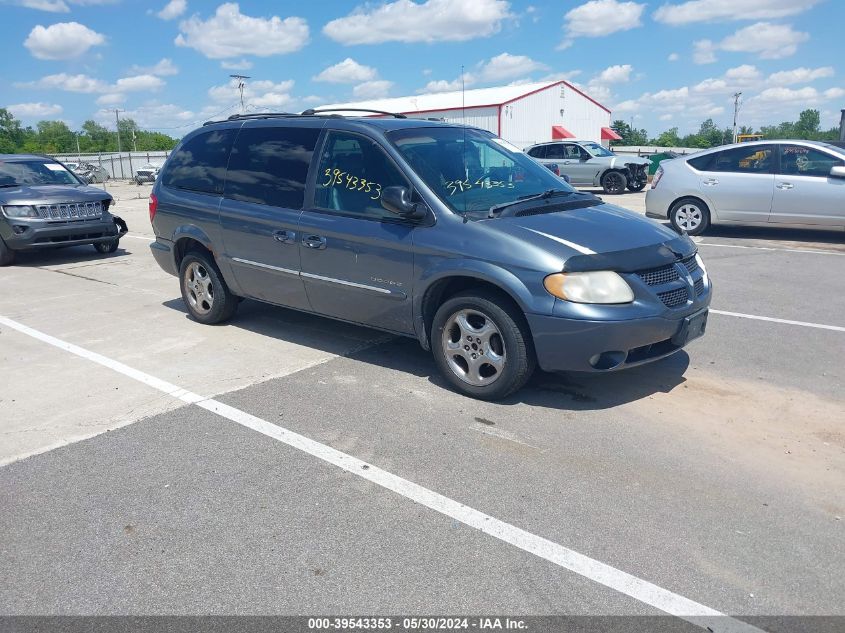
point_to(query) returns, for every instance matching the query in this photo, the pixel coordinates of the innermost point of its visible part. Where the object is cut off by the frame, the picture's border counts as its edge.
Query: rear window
(199, 164)
(269, 165)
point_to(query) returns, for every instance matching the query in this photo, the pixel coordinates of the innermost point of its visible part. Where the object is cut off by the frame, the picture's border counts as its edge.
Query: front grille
(699, 287)
(70, 211)
(659, 276)
(674, 298)
(691, 264)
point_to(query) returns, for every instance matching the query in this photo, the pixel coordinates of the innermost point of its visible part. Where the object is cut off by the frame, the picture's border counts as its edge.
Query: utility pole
(78, 153)
(241, 86)
(737, 95)
(117, 129)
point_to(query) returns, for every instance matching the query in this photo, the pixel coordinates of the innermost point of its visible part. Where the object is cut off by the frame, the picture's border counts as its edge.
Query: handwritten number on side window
(336, 177)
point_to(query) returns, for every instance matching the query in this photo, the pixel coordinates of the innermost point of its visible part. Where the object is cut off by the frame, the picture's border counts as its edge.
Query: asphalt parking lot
(288, 464)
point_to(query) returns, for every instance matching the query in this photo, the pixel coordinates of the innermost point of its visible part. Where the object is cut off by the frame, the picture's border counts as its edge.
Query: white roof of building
(449, 100)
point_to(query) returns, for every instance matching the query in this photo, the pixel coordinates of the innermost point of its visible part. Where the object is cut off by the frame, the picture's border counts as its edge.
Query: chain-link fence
(120, 165)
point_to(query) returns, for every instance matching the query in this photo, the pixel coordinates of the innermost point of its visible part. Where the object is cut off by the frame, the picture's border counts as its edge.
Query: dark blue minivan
(441, 232)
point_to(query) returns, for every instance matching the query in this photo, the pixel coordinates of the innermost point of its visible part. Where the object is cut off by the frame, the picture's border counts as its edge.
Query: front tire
(614, 182)
(482, 345)
(204, 292)
(107, 247)
(636, 187)
(690, 216)
(7, 255)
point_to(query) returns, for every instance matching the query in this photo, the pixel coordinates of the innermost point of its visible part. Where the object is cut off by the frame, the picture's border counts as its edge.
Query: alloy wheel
(199, 288)
(689, 217)
(473, 347)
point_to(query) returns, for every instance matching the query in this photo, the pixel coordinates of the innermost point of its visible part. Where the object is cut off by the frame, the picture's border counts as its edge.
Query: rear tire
(482, 345)
(7, 255)
(690, 216)
(614, 182)
(204, 292)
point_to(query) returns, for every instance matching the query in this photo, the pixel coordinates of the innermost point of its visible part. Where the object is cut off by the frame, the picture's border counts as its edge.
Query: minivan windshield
(472, 170)
(34, 172)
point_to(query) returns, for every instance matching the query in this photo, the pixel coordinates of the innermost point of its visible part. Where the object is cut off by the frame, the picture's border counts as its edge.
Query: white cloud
(743, 75)
(347, 72)
(111, 98)
(441, 85)
(769, 41)
(243, 64)
(704, 52)
(738, 78)
(69, 83)
(260, 94)
(696, 11)
(372, 89)
(56, 6)
(164, 68)
(833, 93)
(800, 75)
(630, 105)
(673, 57)
(173, 9)
(429, 21)
(138, 83)
(229, 33)
(614, 74)
(507, 66)
(63, 40)
(602, 17)
(152, 116)
(32, 110)
(780, 94)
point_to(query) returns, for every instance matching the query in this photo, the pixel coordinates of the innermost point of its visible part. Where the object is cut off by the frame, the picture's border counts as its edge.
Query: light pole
(117, 130)
(737, 95)
(241, 86)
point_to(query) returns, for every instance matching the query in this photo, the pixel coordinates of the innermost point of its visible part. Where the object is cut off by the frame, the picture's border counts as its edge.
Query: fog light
(18, 229)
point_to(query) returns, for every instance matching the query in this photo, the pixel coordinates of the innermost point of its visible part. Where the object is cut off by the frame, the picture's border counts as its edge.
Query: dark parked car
(431, 230)
(43, 205)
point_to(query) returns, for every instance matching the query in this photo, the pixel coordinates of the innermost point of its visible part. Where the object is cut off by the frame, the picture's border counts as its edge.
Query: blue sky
(664, 63)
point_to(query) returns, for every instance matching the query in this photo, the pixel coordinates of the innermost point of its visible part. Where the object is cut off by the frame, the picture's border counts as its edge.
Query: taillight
(153, 206)
(657, 176)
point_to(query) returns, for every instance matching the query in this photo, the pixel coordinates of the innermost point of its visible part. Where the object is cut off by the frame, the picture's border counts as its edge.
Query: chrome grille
(70, 211)
(674, 298)
(659, 276)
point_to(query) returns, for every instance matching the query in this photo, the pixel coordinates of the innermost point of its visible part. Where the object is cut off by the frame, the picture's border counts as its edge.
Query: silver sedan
(796, 183)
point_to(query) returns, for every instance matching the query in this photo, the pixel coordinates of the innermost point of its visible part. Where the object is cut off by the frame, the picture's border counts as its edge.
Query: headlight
(700, 263)
(601, 286)
(20, 212)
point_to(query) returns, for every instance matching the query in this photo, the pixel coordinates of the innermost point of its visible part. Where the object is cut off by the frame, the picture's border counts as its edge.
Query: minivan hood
(52, 194)
(600, 238)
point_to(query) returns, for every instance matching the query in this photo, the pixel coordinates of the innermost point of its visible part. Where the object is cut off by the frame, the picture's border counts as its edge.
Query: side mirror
(837, 172)
(584, 158)
(398, 200)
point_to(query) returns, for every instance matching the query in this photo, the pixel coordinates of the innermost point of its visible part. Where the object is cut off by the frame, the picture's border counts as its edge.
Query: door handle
(710, 182)
(785, 185)
(285, 237)
(314, 241)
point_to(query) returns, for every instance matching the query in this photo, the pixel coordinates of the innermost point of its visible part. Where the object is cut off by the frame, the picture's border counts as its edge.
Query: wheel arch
(439, 287)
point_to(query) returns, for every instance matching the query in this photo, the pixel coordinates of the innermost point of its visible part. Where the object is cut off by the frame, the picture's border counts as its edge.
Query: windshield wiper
(496, 209)
(8, 185)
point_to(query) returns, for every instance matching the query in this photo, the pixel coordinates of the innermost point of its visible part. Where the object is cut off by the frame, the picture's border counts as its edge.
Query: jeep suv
(44, 205)
(589, 164)
(431, 230)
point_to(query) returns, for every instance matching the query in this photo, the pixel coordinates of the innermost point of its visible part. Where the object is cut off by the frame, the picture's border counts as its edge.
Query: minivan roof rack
(312, 112)
(253, 115)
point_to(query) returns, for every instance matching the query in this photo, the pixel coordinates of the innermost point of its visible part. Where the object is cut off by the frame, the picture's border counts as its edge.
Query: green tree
(55, 137)
(669, 138)
(11, 133)
(96, 138)
(630, 136)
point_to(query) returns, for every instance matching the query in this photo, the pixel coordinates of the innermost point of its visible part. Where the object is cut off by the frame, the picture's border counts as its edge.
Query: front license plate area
(692, 327)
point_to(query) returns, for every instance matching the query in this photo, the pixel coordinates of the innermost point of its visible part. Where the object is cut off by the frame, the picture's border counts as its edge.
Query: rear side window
(757, 159)
(269, 165)
(701, 163)
(556, 151)
(798, 160)
(199, 164)
(537, 152)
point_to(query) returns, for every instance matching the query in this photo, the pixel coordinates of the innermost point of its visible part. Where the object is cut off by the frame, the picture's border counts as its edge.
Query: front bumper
(29, 234)
(600, 346)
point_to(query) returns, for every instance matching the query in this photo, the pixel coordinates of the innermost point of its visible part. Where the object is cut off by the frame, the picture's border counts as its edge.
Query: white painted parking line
(140, 237)
(611, 577)
(772, 248)
(820, 326)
